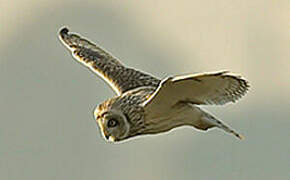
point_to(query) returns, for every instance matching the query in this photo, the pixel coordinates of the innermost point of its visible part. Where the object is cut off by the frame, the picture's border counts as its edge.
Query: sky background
(47, 130)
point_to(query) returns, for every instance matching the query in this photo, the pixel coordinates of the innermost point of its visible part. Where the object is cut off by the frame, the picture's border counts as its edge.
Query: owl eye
(112, 123)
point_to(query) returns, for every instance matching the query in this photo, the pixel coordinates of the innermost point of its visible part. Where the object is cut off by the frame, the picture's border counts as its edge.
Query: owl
(147, 105)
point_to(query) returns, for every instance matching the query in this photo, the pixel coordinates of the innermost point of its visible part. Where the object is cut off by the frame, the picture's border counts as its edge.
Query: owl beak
(111, 139)
(107, 136)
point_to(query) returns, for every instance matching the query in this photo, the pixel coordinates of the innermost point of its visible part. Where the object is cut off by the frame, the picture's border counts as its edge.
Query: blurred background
(47, 130)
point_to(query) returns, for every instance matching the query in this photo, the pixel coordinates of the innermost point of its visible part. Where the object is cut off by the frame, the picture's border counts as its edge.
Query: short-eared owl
(147, 105)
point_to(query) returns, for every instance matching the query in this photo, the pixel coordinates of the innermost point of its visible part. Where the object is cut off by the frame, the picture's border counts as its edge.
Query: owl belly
(180, 115)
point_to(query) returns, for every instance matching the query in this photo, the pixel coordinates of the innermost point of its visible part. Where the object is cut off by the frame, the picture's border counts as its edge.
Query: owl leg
(208, 121)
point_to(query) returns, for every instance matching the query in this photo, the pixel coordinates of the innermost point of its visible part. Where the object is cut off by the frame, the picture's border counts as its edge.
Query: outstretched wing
(208, 88)
(119, 77)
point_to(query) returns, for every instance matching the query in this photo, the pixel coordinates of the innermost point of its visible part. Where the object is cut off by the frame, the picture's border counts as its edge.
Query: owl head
(118, 120)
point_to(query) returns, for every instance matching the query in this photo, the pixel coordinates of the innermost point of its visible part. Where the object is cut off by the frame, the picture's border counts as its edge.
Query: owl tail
(211, 121)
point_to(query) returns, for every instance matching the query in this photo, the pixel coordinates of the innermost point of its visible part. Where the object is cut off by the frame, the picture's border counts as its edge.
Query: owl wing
(208, 88)
(119, 77)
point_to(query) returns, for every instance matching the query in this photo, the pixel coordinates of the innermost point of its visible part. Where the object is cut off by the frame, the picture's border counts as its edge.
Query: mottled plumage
(147, 105)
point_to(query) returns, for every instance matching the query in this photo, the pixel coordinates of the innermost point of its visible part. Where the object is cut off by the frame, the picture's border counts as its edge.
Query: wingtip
(63, 31)
(241, 137)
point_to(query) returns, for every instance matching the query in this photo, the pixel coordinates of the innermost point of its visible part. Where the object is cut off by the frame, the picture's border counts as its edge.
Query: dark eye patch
(112, 123)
